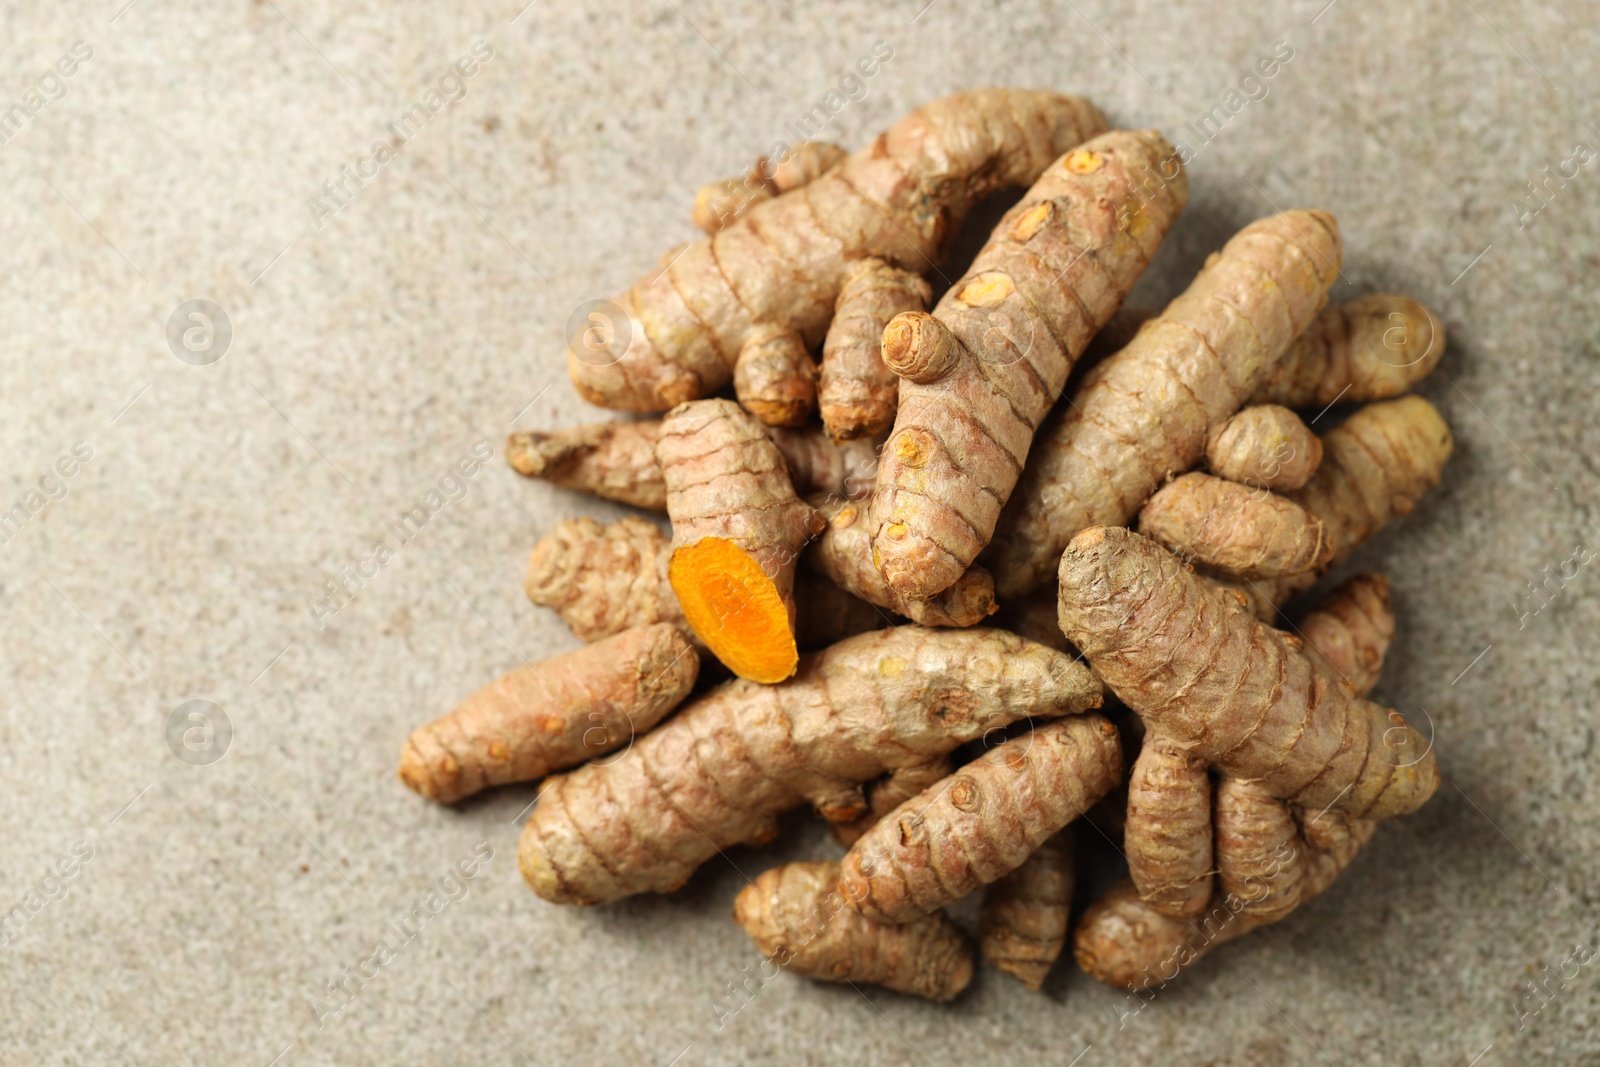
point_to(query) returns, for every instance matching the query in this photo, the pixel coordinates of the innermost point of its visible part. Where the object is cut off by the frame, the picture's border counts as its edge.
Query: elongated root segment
(983, 821)
(782, 262)
(1372, 348)
(1251, 533)
(738, 529)
(544, 717)
(1201, 670)
(857, 394)
(1023, 923)
(1348, 633)
(617, 461)
(981, 372)
(800, 923)
(1265, 446)
(1145, 412)
(844, 554)
(719, 203)
(1167, 835)
(720, 771)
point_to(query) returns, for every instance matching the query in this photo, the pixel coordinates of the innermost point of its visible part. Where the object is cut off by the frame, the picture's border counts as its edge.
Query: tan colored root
(1258, 860)
(1123, 942)
(719, 203)
(1348, 632)
(1167, 836)
(1023, 924)
(603, 579)
(857, 392)
(891, 791)
(544, 717)
(799, 922)
(844, 554)
(1251, 533)
(720, 771)
(1371, 348)
(737, 533)
(1376, 465)
(979, 375)
(783, 261)
(983, 821)
(775, 378)
(1198, 668)
(614, 460)
(1144, 413)
(1266, 446)
(617, 460)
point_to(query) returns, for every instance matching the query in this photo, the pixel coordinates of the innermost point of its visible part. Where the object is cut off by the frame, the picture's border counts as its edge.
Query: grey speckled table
(378, 337)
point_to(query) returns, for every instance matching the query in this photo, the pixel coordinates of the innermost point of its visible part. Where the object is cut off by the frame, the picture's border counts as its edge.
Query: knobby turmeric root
(857, 393)
(844, 554)
(738, 529)
(1251, 533)
(889, 792)
(1266, 446)
(603, 579)
(1200, 669)
(1146, 411)
(1348, 632)
(1124, 942)
(799, 922)
(782, 262)
(544, 717)
(1167, 834)
(981, 372)
(1372, 348)
(720, 771)
(1023, 922)
(617, 461)
(719, 203)
(983, 821)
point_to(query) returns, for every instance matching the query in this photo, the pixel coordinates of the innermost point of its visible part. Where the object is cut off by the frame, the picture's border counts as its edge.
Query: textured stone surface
(427, 315)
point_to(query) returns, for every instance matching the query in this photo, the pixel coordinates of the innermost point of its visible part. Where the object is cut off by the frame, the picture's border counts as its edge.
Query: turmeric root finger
(844, 554)
(775, 378)
(737, 533)
(1199, 668)
(1266, 446)
(1252, 533)
(1258, 848)
(979, 375)
(614, 460)
(1348, 632)
(857, 392)
(1371, 348)
(719, 203)
(1023, 923)
(720, 771)
(1145, 412)
(546, 716)
(982, 822)
(617, 461)
(603, 579)
(1167, 835)
(799, 922)
(783, 260)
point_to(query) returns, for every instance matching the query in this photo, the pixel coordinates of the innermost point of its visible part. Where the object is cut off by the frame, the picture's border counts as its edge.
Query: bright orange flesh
(735, 609)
